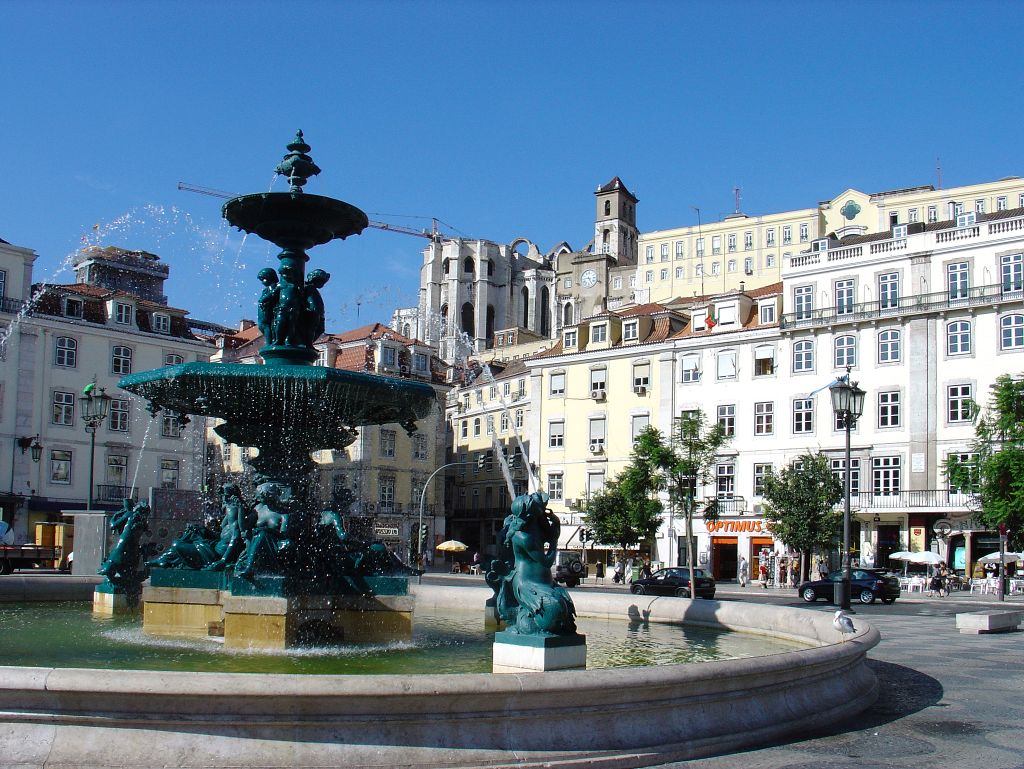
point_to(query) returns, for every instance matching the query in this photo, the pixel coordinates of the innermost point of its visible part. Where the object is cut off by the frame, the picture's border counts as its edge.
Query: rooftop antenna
(938, 170)
(736, 195)
(700, 239)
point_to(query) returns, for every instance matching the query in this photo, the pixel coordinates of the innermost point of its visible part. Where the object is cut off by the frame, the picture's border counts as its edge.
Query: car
(569, 570)
(676, 582)
(866, 586)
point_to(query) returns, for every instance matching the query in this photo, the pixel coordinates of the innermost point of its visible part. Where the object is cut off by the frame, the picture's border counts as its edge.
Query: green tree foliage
(995, 478)
(622, 518)
(800, 504)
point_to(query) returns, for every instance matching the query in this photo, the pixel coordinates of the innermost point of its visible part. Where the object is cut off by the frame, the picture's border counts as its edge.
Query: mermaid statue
(529, 601)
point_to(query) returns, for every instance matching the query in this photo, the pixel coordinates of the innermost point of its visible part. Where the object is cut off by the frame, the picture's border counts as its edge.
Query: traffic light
(483, 462)
(584, 535)
(423, 532)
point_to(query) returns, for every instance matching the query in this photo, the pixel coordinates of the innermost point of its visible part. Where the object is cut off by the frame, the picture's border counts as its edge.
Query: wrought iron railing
(905, 499)
(107, 492)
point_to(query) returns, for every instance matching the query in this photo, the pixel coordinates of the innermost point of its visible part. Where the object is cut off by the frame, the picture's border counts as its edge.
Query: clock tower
(615, 230)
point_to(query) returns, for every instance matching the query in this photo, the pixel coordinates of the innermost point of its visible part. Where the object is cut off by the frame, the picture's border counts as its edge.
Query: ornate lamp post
(95, 407)
(26, 443)
(848, 404)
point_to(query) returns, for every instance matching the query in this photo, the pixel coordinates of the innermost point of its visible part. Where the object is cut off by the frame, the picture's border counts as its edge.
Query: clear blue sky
(500, 118)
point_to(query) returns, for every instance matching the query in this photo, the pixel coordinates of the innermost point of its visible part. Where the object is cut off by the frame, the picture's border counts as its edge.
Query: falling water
(142, 452)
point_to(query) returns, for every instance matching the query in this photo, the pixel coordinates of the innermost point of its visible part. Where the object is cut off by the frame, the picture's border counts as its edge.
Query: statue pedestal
(183, 602)
(281, 622)
(491, 620)
(109, 602)
(515, 653)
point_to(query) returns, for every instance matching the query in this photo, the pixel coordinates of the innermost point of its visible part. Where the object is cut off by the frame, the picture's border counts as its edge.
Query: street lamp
(848, 404)
(423, 500)
(25, 443)
(95, 408)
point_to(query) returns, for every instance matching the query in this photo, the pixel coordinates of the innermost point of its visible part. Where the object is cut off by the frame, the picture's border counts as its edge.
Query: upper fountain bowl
(295, 220)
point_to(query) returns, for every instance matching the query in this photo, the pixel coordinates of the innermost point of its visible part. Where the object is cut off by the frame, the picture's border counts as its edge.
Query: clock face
(588, 279)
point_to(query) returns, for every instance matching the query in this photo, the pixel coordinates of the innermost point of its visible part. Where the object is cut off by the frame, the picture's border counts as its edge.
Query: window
(970, 460)
(716, 268)
(73, 308)
(598, 381)
(700, 246)
(680, 273)
(803, 301)
(479, 396)
(731, 242)
(698, 270)
(617, 283)
(787, 234)
(599, 333)
(912, 215)
(769, 260)
(168, 473)
(727, 364)
(680, 253)
(639, 423)
(66, 353)
(642, 375)
(170, 426)
(803, 356)
(933, 214)
(492, 392)
(465, 428)
(63, 408)
(889, 409)
(119, 415)
(555, 485)
(171, 359)
(121, 360)
(889, 290)
(845, 351)
(386, 489)
(570, 338)
(476, 427)
(691, 368)
(725, 481)
(1001, 203)
(1011, 332)
(388, 438)
(979, 206)
(839, 471)
(748, 240)
(803, 415)
(568, 283)
(844, 297)
(161, 323)
(803, 233)
(632, 281)
(388, 356)
(597, 433)
(419, 446)
(748, 265)
(889, 346)
(731, 266)
(663, 274)
(957, 280)
(419, 361)
(767, 310)
(769, 237)
(885, 476)
(764, 418)
(556, 435)
(506, 389)
(60, 467)
(630, 331)
(716, 245)
(727, 418)
(664, 252)
(117, 469)
(3, 283)
(558, 383)
(1012, 272)
(764, 360)
(505, 421)
(960, 408)
(519, 419)
(649, 254)
(122, 313)
(649, 276)
(958, 337)
(760, 471)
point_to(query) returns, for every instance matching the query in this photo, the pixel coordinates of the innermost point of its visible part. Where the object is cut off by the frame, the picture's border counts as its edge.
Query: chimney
(245, 324)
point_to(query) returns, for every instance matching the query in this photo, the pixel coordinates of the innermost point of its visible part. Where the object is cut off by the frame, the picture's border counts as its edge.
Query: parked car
(676, 582)
(866, 585)
(570, 569)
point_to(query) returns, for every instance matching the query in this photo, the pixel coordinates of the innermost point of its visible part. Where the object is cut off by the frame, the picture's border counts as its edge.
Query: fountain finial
(297, 165)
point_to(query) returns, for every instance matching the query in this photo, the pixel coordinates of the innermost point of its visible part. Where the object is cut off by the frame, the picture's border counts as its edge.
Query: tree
(622, 518)
(800, 504)
(994, 475)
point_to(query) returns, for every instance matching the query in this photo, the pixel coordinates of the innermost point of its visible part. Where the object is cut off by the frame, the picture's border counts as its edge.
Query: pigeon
(843, 624)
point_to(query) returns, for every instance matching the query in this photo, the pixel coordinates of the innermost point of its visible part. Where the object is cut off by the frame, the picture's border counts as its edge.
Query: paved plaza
(946, 700)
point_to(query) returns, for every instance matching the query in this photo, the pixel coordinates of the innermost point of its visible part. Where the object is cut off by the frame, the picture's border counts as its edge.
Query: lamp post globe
(848, 404)
(95, 407)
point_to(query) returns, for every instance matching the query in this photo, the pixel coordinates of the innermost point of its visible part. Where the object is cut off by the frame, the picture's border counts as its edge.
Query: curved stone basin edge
(596, 718)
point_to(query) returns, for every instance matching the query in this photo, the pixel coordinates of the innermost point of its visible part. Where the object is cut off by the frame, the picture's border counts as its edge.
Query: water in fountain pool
(69, 635)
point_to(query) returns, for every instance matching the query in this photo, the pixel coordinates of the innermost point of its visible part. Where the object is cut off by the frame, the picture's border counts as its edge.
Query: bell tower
(615, 230)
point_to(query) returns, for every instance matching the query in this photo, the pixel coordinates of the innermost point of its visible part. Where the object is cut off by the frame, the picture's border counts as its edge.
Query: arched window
(607, 208)
(476, 426)
(889, 346)
(467, 319)
(446, 266)
(1011, 332)
(407, 331)
(66, 353)
(490, 325)
(121, 360)
(490, 268)
(524, 317)
(846, 351)
(803, 356)
(958, 337)
(444, 320)
(545, 312)
(567, 314)
(467, 265)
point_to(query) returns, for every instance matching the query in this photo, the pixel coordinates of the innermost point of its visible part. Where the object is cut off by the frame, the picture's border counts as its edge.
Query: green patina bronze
(280, 542)
(528, 601)
(124, 568)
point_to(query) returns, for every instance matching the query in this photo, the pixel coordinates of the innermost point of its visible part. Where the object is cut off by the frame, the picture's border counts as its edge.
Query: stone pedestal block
(181, 611)
(280, 622)
(978, 622)
(491, 620)
(113, 604)
(514, 653)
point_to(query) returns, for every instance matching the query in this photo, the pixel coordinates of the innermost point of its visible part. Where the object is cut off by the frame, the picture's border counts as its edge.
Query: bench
(975, 622)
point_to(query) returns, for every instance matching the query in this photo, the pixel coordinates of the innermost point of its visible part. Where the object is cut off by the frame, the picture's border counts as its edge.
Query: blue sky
(498, 118)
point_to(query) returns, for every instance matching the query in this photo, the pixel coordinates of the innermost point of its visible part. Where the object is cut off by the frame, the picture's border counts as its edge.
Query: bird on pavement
(843, 623)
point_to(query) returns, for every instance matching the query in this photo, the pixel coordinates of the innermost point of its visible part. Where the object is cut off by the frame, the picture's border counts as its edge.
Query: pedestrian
(762, 574)
(619, 577)
(645, 570)
(943, 580)
(822, 568)
(629, 570)
(794, 572)
(744, 571)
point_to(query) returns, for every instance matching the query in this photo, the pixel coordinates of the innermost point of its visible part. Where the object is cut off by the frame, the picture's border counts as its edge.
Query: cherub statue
(270, 535)
(201, 548)
(316, 280)
(290, 308)
(268, 303)
(122, 568)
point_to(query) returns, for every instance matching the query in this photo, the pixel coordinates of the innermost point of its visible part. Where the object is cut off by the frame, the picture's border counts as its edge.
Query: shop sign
(385, 531)
(735, 526)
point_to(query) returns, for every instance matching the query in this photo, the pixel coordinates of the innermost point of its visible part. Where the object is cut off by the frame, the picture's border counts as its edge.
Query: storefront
(723, 542)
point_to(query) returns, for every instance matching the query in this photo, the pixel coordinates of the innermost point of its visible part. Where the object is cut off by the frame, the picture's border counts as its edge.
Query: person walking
(629, 571)
(645, 570)
(822, 568)
(762, 574)
(744, 571)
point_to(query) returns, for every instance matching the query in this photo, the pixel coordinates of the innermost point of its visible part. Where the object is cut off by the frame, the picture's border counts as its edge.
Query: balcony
(106, 492)
(11, 305)
(939, 500)
(905, 305)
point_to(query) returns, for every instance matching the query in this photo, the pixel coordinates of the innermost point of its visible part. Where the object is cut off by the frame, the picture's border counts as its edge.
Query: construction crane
(433, 234)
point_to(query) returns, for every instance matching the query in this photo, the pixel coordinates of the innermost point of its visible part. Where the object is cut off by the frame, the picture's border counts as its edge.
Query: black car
(570, 569)
(675, 581)
(866, 585)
